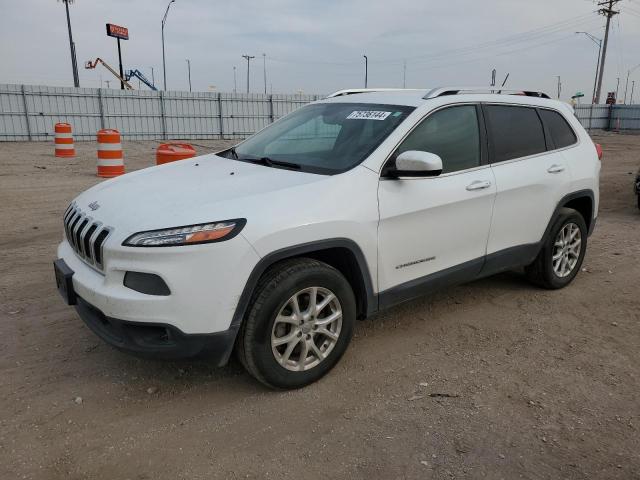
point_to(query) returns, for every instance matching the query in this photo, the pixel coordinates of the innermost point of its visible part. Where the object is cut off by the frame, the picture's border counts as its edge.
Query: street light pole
(633, 86)
(627, 86)
(235, 81)
(72, 47)
(559, 86)
(164, 66)
(189, 71)
(264, 69)
(598, 42)
(248, 58)
(366, 70)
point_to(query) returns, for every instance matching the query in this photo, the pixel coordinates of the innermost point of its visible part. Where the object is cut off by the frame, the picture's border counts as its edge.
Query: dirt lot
(542, 384)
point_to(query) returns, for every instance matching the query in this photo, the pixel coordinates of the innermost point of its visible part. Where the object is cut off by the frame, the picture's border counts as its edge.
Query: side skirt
(420, 286)
(510, 258)
(493, 263)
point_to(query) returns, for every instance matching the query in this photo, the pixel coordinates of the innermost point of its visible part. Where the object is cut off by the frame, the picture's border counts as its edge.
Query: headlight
(187, 235)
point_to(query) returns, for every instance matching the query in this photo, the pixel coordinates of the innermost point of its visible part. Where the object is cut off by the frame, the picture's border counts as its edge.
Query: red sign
(117, 31)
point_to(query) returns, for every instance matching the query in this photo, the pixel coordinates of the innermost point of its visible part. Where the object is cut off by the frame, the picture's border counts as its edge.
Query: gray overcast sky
(317, 46)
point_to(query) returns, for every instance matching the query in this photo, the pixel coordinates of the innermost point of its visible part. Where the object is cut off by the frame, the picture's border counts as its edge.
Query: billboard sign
(117, 31)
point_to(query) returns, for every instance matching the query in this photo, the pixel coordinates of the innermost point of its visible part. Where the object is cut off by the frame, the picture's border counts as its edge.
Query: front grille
(85, 235)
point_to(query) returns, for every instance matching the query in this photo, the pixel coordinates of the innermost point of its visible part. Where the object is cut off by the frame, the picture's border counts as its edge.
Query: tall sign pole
(119, 33)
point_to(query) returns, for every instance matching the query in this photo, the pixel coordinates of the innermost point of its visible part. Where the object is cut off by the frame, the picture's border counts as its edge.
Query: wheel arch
(583, 201)
(341, 253)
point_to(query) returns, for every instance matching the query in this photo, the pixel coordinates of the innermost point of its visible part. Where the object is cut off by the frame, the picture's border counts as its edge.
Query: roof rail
(443, 91)
(352, 91)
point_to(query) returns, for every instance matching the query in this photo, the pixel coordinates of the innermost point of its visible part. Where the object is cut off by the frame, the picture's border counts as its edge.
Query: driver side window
(452, 133)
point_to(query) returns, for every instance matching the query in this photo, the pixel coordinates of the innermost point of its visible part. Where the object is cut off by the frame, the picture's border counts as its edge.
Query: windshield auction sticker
(368, 115)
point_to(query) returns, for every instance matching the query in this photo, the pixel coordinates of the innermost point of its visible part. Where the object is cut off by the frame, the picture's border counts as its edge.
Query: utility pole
(617, 88)
(559, 86)
(153, 77)
(72, 47)
(189, 72)
(404, 74)
(235, 81)
(608, 11)
(264, 69)
(633, 86)
(366, 70)
(164, 67)
(248, 58)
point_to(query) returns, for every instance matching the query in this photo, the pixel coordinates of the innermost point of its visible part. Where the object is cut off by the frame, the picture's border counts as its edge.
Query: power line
(510, 40)
(507, 41)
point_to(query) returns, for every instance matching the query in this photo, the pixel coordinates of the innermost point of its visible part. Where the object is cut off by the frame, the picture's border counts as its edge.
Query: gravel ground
(494, 379)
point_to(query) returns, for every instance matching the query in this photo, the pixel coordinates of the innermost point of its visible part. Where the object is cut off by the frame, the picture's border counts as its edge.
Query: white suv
(343, 208)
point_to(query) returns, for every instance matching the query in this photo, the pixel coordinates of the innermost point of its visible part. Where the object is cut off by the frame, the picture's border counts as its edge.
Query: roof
(388, 96)
(417, 97)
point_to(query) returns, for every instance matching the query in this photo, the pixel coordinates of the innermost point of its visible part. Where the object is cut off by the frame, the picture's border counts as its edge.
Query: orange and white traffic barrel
(110, 157)
(170, 152)
(64, 140)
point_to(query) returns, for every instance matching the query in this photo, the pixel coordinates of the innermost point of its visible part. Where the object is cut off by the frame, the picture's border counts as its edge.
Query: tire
(542, 272)
(273, 297)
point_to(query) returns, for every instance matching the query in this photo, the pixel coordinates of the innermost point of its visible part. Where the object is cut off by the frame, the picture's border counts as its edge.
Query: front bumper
(157, 340)
(204, 281)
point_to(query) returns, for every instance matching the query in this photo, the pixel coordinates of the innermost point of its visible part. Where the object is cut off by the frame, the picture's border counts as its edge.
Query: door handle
(555, 168)
(478, 185)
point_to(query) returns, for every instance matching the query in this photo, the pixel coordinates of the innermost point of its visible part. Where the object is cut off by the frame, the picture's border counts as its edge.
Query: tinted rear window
(561, 133)
(515, 132)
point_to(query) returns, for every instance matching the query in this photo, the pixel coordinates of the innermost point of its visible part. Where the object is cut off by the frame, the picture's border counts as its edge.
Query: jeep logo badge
(94, 206)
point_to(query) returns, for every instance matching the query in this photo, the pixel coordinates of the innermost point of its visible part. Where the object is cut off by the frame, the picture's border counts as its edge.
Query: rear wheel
(299, 323)
(561, 256)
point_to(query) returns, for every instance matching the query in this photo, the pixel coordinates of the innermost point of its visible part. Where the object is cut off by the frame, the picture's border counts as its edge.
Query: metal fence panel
(30, 112)
(605, 117)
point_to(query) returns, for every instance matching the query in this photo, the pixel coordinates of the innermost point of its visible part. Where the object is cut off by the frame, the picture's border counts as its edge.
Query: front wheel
(299, 323)
(561, 256)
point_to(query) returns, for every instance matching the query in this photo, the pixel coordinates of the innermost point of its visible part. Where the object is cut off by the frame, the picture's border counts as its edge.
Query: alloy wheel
(566, 250)
(306, 329)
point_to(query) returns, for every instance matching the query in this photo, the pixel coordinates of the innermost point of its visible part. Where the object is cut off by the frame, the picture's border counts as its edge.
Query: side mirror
(414, 163)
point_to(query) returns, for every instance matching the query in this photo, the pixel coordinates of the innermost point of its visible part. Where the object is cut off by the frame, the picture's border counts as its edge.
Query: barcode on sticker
(368, 115)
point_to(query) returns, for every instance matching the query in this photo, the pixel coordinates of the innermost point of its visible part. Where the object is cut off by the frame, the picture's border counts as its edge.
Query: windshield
(326, 138)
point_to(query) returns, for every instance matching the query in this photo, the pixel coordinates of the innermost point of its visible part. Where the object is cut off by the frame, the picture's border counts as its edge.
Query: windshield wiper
(275, 163)
(233, 152)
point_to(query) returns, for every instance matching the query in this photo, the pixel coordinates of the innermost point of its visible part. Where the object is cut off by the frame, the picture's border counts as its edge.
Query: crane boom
(137, 73)
(90, 65)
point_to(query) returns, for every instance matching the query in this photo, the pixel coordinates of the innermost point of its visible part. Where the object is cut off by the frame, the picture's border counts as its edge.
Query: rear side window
(561, 133)
(515, 132)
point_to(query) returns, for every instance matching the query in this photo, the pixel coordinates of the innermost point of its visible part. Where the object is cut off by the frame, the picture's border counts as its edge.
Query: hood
(202, 189)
